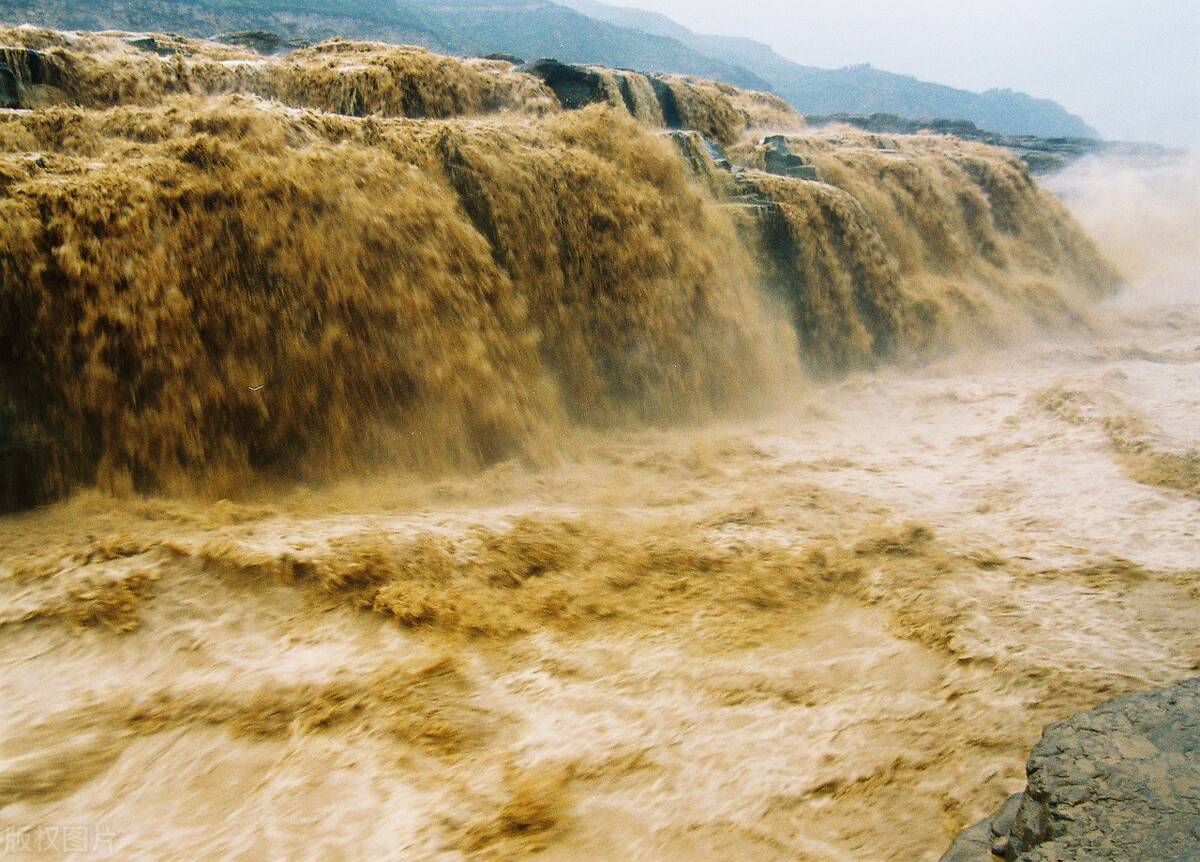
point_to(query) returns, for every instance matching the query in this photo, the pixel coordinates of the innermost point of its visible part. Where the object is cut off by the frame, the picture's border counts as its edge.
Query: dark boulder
(575, 86)
(1116, 783)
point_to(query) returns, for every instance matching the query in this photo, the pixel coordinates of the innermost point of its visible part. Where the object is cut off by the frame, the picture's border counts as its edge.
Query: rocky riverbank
(1115, 783)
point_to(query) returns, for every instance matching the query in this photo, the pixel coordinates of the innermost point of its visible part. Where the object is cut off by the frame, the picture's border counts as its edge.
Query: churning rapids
(618, 577)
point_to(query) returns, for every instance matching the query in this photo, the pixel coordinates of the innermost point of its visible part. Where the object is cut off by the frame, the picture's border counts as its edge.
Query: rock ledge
(1116, 783)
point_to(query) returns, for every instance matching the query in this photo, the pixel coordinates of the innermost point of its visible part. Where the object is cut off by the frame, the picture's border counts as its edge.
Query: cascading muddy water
(913, 243)
(202, 291)
(518, 566)
(320, 290)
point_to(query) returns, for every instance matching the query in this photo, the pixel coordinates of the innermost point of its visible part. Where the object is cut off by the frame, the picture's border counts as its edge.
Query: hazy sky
(1131, 69)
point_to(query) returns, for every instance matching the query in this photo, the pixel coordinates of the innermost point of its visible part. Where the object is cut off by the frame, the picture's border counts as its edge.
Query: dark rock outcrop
(261, 41)
(894, 125)
(700, 151)
(575, 86)
(10, 95)
(507, 58)
(1117, 783)
(152, 46)
(21, 68)
(578, 86)
(1043, 155)
(667, 103)
(780, 160)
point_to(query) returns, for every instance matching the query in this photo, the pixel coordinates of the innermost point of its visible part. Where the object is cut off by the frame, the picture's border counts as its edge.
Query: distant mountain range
(858, 89)
(577, 31)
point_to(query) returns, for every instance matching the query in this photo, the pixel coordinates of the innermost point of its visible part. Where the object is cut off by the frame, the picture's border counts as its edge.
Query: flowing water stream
(827, 629)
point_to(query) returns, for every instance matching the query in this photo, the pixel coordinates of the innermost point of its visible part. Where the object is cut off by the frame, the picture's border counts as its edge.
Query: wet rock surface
(262, 41)
(781, 161)
(1118, 782)
(700, 152)
(575, 86)
(10, 97)
(21, 69)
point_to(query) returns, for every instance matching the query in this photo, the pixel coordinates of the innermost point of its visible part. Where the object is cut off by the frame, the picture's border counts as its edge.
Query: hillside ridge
(859, 89)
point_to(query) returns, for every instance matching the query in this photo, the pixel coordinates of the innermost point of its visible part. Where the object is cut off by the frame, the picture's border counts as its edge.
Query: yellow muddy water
(831, 634)
(216, 270)
(620, 582)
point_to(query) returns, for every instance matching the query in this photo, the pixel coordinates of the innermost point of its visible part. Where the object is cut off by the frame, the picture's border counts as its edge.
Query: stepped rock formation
(219, 266)
(1115, 783)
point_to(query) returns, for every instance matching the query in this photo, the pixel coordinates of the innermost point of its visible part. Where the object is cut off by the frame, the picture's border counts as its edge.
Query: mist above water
(1145, 215)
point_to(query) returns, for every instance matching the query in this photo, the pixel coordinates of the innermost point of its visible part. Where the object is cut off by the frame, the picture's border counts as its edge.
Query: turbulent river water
(829, 634)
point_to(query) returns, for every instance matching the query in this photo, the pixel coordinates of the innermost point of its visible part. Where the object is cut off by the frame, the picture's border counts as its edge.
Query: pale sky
(1130, 69)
